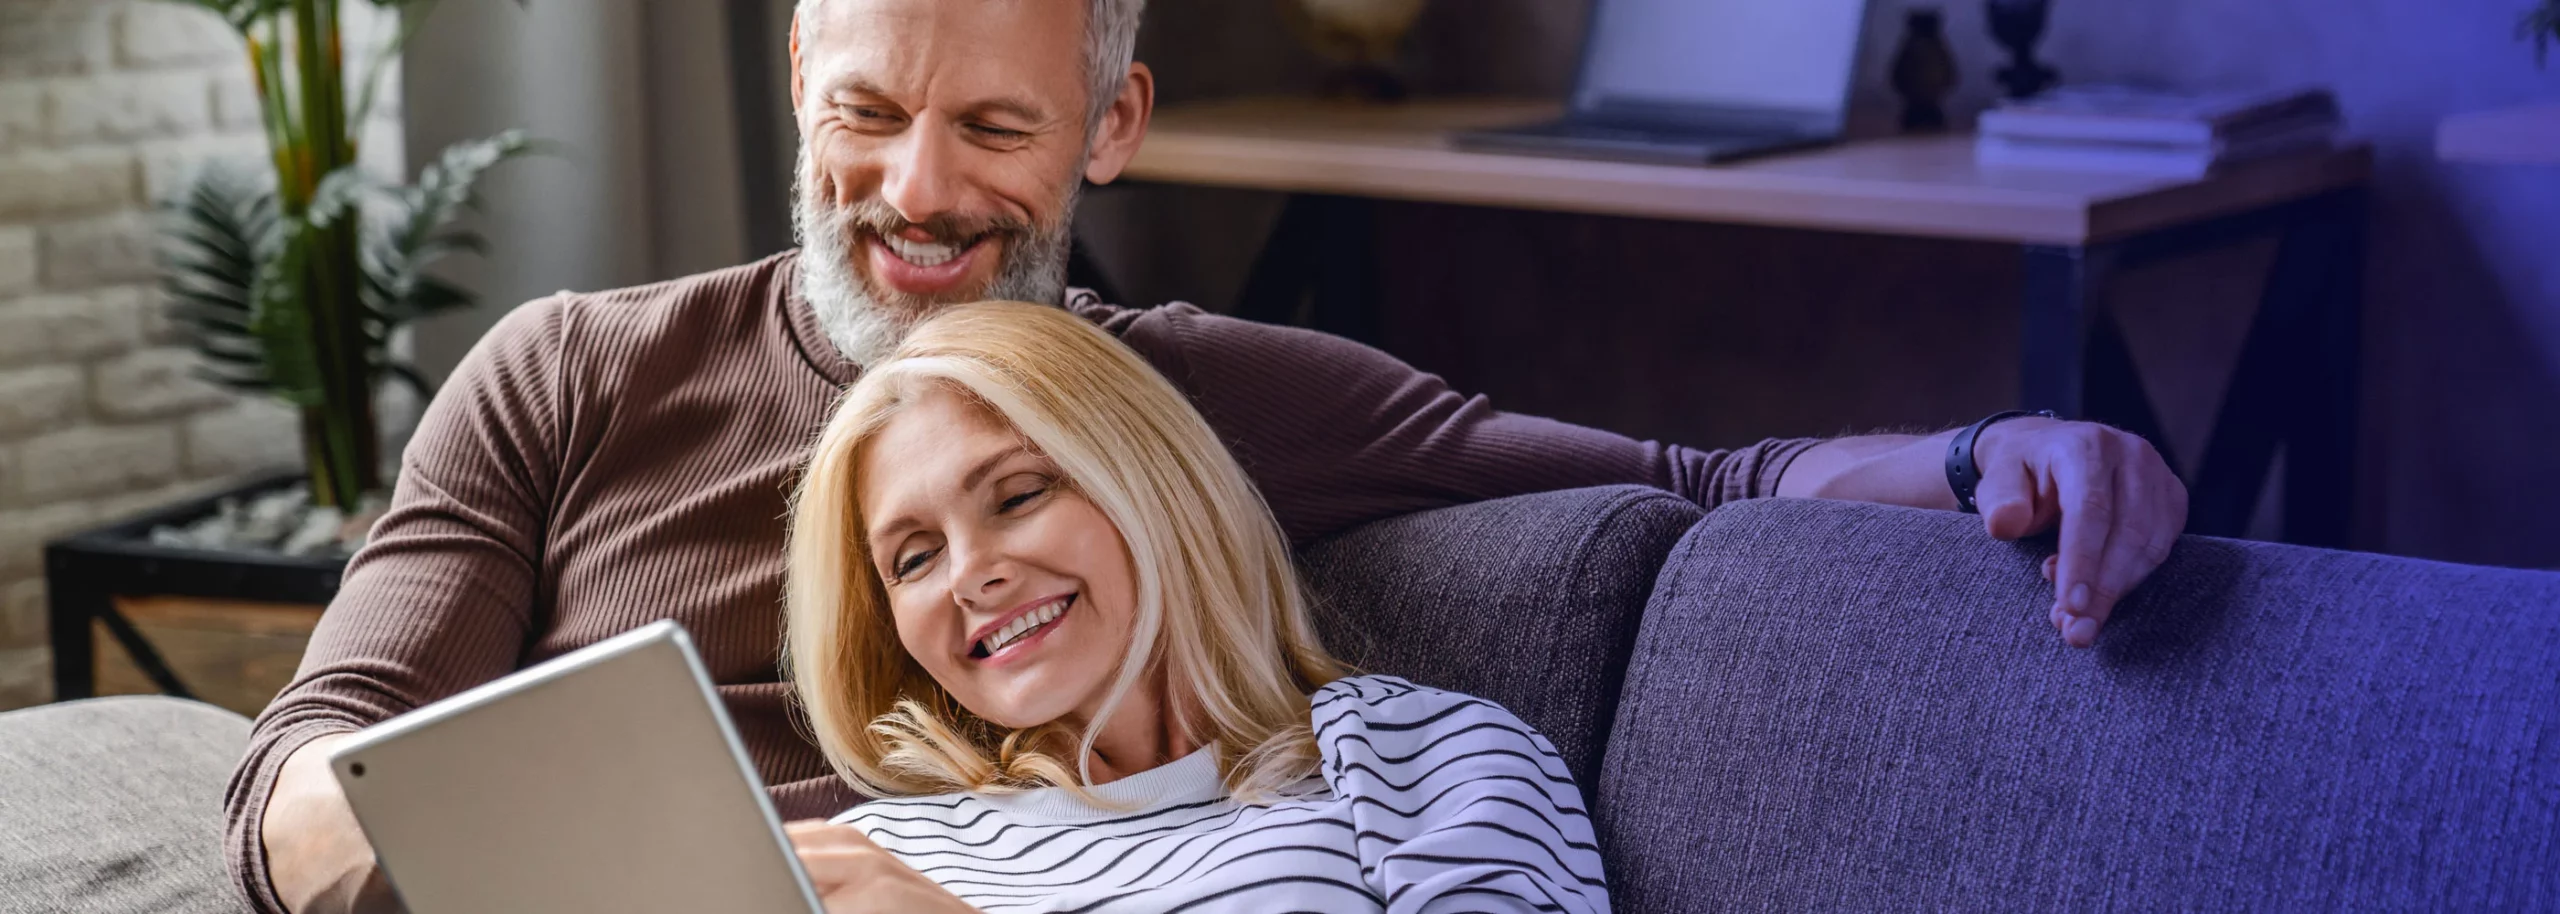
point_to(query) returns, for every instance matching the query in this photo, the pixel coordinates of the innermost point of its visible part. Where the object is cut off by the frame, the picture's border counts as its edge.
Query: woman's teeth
(1022, 626)
(922, 253)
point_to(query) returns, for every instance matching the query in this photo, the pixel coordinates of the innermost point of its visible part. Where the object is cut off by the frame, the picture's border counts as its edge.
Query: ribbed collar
(811, 338)
(1191, 779)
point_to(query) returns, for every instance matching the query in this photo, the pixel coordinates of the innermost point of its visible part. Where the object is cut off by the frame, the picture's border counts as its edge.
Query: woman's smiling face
(1011, 589)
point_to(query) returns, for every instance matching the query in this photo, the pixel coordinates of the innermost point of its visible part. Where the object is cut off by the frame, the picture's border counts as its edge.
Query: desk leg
(2074, 360)
(2063, 289)
(1319, 268)
(2320, 492)
(2294, 387)
(69, 609)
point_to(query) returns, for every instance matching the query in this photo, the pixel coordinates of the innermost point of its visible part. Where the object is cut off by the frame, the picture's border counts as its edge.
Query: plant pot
(235, 610)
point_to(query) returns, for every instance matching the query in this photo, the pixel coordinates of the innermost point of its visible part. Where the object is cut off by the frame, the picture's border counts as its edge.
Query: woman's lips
(1030, 638)
(928, 278)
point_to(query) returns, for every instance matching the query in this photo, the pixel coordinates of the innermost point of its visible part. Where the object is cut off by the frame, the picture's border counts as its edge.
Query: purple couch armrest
(1531, 602)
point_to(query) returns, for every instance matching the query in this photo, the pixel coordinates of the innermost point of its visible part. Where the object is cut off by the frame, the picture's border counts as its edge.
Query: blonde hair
(1220, 612)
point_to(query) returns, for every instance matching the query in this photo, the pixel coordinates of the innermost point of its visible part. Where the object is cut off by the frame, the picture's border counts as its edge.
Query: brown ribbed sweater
(600, 461)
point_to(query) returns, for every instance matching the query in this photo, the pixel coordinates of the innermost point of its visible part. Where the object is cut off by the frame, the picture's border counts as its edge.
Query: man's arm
(2116, 502)
(1338, 434)
(438, 600)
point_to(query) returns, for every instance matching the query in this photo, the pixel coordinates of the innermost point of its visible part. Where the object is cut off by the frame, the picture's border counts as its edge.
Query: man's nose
(920, 181)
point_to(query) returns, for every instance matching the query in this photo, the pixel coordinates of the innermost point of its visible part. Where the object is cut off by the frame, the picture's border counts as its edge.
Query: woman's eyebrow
(978, 474)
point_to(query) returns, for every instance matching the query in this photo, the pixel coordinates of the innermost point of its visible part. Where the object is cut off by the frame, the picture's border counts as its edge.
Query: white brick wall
(106, 107)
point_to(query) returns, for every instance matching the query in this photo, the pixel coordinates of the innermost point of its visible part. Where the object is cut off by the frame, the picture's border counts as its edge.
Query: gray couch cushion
(115, 805)
(1530, 602)
(1858, 708)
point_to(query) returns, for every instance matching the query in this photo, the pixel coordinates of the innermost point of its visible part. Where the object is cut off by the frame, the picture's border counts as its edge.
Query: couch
(1803, 705)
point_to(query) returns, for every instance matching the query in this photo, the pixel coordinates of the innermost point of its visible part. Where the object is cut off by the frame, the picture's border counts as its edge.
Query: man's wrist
(1964, 464)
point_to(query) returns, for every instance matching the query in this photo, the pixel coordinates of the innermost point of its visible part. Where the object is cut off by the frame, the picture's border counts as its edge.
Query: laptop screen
(1782, 55)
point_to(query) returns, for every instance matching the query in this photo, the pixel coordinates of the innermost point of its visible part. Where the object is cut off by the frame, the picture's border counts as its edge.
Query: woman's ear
(1124, 126)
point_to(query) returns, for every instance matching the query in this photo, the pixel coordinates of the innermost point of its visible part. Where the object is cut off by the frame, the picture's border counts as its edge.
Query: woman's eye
(908, 565)
(1020, 500)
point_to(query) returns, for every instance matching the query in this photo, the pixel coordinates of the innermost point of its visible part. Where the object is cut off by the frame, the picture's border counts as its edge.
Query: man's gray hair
(1110, 45)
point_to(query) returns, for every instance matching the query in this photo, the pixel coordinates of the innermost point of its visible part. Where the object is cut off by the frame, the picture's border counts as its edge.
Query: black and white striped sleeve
(1456, 804)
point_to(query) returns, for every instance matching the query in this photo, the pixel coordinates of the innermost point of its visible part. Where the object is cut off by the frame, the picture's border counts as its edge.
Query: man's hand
(854, 876)
(2118, 504)
(317, 856)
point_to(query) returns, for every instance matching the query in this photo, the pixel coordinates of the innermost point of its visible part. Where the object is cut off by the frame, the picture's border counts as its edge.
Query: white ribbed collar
(1190, 779)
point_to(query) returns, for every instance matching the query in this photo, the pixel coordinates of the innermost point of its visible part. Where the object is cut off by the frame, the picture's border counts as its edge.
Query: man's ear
(1124, 126)
(797, 89)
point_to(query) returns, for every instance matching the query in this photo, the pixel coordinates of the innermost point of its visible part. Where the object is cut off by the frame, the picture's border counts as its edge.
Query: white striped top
(1427, 801)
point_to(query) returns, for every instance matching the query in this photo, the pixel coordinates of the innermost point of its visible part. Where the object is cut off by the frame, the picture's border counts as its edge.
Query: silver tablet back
(608, 779)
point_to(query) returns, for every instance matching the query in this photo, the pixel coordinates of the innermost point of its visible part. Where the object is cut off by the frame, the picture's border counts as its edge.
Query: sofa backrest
(1531, 602)
(1838, 707)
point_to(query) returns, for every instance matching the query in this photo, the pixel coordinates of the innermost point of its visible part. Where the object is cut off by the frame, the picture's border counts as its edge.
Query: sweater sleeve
(1338, 434)
(440, 597)
(1456, 804)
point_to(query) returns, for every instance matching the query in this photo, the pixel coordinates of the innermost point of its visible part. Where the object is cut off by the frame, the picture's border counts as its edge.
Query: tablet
(608, 779)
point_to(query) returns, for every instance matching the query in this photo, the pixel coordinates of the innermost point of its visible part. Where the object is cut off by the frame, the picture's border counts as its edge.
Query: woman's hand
(854, 876)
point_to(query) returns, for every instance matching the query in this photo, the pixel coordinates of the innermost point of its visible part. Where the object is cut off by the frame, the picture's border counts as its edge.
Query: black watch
(1962, 473)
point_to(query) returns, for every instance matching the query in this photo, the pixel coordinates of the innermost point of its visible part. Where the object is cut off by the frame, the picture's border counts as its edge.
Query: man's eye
(996, 133)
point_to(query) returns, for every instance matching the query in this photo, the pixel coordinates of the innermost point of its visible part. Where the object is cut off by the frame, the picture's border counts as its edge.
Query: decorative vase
(1924, 71)
(1360, 39)
(2018, 25)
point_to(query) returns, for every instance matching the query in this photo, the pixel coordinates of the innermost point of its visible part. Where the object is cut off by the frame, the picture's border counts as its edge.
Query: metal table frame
(2293, 391)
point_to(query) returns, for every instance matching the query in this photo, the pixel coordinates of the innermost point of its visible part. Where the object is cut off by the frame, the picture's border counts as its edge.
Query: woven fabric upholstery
(1837, 707)
(115, 805)
(1531, 602)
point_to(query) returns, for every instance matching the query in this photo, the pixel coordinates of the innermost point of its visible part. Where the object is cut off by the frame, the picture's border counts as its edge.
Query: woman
(1036, 605)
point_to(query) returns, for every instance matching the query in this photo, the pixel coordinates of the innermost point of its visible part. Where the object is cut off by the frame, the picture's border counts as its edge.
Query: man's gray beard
(866, 326)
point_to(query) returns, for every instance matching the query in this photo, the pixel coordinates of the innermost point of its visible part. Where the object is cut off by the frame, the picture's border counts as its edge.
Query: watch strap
(1963, 474)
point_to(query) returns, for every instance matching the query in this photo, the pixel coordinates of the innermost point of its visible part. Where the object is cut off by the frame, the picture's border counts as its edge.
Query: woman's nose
(978, 573)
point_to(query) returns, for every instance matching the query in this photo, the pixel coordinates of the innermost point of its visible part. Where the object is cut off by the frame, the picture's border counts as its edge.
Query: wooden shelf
(2518, 135)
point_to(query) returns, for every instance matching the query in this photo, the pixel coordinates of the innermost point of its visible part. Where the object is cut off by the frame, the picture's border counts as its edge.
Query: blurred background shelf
(2516, 136)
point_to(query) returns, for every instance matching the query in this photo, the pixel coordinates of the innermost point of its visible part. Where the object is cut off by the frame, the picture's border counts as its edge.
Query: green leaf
(408, 374)
(419, 231)
(220, 235)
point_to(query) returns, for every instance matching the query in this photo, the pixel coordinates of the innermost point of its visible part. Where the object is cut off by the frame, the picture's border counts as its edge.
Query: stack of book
(2138, 131)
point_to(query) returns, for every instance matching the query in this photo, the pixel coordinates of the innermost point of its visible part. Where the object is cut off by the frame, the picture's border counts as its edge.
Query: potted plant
(290, 282)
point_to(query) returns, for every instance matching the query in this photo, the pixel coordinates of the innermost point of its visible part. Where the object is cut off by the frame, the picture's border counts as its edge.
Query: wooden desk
(2075, 231)
(1927, 187)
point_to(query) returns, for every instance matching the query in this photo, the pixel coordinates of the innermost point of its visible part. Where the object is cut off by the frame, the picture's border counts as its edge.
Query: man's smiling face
(943, 146)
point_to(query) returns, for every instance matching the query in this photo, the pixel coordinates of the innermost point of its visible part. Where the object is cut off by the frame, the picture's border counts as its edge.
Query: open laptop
(608, 779)
(1696, 81)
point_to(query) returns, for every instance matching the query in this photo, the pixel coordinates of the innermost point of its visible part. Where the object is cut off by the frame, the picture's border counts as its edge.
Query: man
(604, 460)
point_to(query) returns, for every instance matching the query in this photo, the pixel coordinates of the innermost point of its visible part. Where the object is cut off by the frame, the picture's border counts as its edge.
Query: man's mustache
(880, 218)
